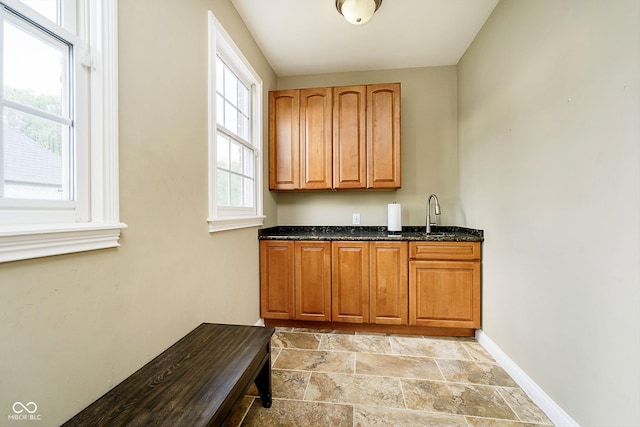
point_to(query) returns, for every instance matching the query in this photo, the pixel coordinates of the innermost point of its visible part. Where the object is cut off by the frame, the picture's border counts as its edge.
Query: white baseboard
(260, 322)
(555, 413)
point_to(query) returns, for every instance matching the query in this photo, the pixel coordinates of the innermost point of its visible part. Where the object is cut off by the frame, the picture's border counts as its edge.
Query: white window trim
(216, 221)
(25, 241)
(232, 223)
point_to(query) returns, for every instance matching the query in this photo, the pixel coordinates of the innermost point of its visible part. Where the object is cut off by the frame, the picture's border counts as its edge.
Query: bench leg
(263, 383)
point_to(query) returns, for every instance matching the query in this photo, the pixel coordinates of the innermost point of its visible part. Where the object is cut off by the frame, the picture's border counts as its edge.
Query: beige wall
(429, 154)
(73, 326)
(549, 107)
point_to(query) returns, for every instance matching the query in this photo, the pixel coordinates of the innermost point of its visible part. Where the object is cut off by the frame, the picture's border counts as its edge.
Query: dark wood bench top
(195, 382)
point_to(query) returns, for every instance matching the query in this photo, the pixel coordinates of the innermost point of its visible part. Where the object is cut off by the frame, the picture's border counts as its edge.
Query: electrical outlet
(355, 219)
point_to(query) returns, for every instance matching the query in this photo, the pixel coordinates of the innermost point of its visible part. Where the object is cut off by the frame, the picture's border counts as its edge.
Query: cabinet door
(389, 284)
(284, 140)
(313, 281)
(315, 138)
(444, 294)
(276, 279)
(349, 137)
(350, 282)
(383, 136)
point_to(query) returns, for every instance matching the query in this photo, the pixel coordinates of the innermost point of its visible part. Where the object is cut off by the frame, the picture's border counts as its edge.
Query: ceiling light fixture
(357, 12)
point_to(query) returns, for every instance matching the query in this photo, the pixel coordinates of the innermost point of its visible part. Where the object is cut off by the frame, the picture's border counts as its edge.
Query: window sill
(26, 242)
(225, 224)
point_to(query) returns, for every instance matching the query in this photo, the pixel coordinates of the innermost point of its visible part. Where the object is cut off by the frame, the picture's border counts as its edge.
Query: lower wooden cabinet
(350, 282)
(369, 282)
(312, 265)
(422, 284)
(444, 284)
(295, 280)
(388, 283)
(276, 279)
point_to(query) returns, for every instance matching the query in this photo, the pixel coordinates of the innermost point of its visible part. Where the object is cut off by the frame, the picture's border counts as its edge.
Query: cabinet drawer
(445, 250)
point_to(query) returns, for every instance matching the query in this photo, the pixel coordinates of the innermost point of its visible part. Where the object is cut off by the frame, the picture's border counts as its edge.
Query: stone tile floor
(332, 378)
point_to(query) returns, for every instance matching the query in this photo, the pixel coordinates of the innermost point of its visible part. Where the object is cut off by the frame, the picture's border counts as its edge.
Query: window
(235, 153)
(235, 187)
(39, 132)
(58, 135)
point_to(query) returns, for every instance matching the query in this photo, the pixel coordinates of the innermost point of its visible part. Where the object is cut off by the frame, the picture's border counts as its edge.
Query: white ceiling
(310, 37)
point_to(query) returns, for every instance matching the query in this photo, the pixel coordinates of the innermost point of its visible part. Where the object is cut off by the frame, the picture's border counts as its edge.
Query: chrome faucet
(436, 211)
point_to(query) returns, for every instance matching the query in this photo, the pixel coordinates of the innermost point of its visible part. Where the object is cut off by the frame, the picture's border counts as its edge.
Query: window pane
(222, 180)
(235, 189)
(230, 86)
(219, 110)
(243, 99)
(248, 163)
(48, 8)
(219, 76)
(248, 192)
(223, 152)
(236, 157)
(243, 126)
(36, 157)
(230, 117)
(35, 78)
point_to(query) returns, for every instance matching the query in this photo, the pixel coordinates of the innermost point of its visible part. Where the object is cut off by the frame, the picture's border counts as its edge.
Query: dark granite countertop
(416, 233)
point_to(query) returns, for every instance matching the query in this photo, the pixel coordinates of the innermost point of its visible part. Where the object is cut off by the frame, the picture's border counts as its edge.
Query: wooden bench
(196, 382)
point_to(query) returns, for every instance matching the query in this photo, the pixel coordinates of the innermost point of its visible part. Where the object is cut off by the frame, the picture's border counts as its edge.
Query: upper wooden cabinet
(345, 137)
(383, 136)
(284, 140)
(315, 139)
(350, 137)
(300, 127)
